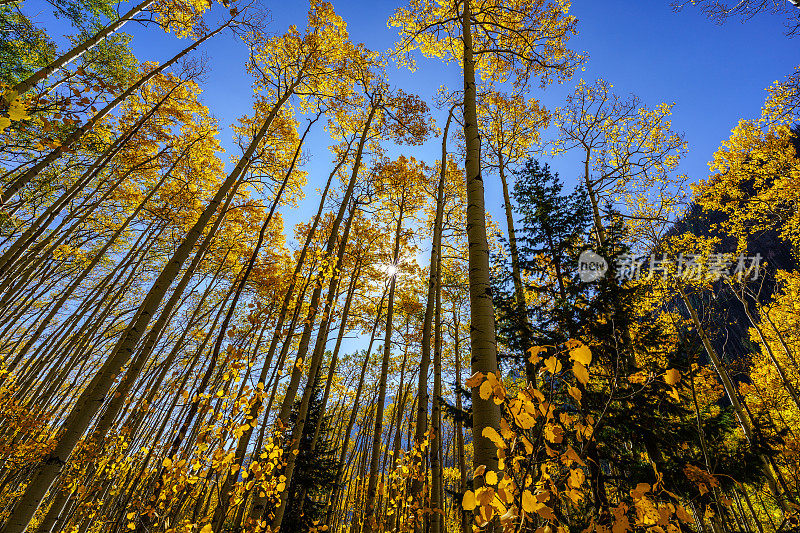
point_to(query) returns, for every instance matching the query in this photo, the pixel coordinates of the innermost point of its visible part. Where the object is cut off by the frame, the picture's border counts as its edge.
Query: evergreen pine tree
(315, 469)
(551, 236)
(642, 428)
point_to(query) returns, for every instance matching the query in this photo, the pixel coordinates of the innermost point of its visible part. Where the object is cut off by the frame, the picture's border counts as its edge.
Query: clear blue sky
(715, 74)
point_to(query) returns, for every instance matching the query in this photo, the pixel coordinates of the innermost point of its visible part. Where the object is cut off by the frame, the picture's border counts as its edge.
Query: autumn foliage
(201, 334)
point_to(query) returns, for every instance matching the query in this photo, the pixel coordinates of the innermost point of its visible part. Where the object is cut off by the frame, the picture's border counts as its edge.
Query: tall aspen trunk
(335, 355)
(319, 350)
(787, 384)
(332, 367)
(241, 448)
(485, 413)
(305, 339)
(596, 218)
(91, 266)
(37, 227)
(228, 316)
(466, 527)
(121, 392)
(437, 493)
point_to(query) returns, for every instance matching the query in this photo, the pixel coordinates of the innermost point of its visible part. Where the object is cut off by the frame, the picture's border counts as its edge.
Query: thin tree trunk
(787, 384)
(302, 350)
(354, 411)
(319, 349)
(37, 227)
(95, 261)
(437, 494)
(462, 462)
(731, 392)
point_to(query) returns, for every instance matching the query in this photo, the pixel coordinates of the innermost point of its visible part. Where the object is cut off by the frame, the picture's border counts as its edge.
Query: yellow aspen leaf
(580, 372)
(468, 502)
(491, 477)
(576, 478)
(4, 123)
(582, 354)
(621, 525)
(550, 451)
(674, 394)
(528, 445)
(682, 514)
(509, 515)
(575, 392)
(505, 429)
(131, 526)
(17, 111)
(486, 390)
(575, 495)
(529, 503)
(207, 529)
(672, 376)
(484, 496)
(486, 513)
(553, 433)
(492, 434)
(573, 456)
(553, 365)
(167, 463)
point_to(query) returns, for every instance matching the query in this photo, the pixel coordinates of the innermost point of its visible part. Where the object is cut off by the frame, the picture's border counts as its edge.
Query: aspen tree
(500, 40)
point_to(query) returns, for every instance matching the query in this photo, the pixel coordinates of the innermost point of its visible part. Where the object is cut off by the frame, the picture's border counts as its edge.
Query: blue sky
(714, 74)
